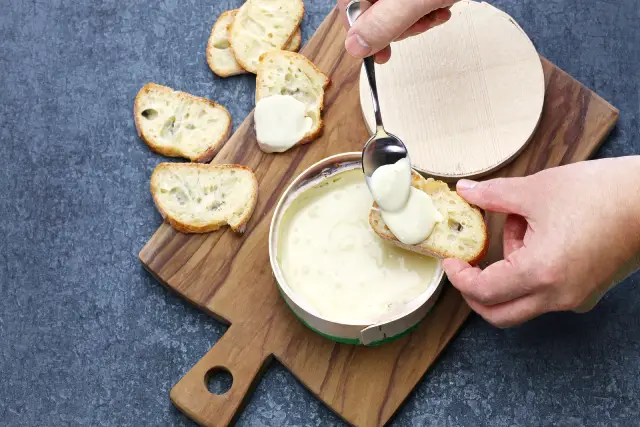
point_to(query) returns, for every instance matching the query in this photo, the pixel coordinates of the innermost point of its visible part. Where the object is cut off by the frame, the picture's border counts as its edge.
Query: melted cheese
(281, 122)
(331, 258)
(415, 221)
(390, 185)
(408, 212)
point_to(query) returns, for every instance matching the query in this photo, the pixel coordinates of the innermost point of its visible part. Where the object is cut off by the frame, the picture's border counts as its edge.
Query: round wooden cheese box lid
(465, 97)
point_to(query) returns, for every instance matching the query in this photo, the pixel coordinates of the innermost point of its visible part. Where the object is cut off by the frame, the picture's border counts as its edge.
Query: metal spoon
(382, 148)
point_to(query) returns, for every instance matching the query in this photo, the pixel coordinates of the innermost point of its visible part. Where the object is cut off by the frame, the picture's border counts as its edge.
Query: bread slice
(290, 73)
(462, 234)
(295, 42)
(261, 26)
(177, 124)
(219, 54)
(199, 198)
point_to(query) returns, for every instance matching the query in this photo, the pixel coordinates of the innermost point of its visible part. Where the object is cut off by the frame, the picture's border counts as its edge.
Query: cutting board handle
(243, 359)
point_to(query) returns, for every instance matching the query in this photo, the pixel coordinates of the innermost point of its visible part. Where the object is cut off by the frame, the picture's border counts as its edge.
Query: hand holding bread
(462, 234)
(568, 232)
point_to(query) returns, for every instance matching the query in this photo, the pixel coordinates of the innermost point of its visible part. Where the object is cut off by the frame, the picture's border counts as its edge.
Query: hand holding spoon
(383, 148)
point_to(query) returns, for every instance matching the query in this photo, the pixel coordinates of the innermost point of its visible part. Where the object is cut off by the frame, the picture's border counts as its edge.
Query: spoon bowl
(382, 149)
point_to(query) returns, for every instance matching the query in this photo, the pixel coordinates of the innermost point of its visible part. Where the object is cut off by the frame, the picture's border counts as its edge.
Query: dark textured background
(87, 337)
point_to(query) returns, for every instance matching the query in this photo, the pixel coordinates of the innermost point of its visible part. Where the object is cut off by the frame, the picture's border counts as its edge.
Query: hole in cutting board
(219, 380)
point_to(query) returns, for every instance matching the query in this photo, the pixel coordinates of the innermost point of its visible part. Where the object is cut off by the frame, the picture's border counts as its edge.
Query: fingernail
(356, 45)
(465, 184)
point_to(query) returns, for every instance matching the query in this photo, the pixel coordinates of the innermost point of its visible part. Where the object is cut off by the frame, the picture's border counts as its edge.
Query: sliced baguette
(177, 124)
(199, 198)
(261, 26)
(219, 54)
(295, 42)
(462, 234)
(290, 73)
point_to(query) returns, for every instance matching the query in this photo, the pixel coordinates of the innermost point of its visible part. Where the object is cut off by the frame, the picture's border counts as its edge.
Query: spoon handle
(369, 66)
(354, 9)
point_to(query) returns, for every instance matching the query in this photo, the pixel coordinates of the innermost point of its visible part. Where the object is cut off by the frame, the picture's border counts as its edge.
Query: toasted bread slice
(177, 124)
(219, 54)
(199, 198)
(295, 42)
(462, 234)
(261, 26)
(290, 73)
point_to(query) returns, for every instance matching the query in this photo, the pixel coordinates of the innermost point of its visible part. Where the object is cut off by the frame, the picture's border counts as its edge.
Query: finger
(502, 281)
(515, 228)
(342, 6)
(385, 21)
(383, 56)
(504, 195)
(427, 22)
(460, 273)
(509, 314)
(433, 19)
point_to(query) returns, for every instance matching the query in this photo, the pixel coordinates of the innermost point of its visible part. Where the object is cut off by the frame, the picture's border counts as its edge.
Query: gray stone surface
(87, 337)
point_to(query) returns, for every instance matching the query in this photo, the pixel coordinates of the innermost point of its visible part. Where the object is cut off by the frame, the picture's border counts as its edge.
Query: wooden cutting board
(229, 276)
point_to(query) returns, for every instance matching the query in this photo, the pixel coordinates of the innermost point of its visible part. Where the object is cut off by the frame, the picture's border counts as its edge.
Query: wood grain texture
(465, 97)
(230, 277)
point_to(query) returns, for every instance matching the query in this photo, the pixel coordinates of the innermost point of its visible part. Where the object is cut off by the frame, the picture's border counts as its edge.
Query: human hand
(568, 230)
(392, 20)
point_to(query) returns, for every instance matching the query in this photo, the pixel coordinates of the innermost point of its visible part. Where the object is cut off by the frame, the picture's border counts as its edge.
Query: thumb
(503, 195)
(385, 21)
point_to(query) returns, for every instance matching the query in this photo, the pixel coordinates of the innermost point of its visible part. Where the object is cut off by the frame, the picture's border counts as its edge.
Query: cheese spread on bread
(408, 212)
(291, 74)
(281, 121)
(415, 221)
(462, 234)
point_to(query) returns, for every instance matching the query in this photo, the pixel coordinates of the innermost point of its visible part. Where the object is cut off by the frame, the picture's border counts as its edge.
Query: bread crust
(296, 39)
(206, 156)
(239, 59)
(414, 248)
(417, 181)
(206, 228)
